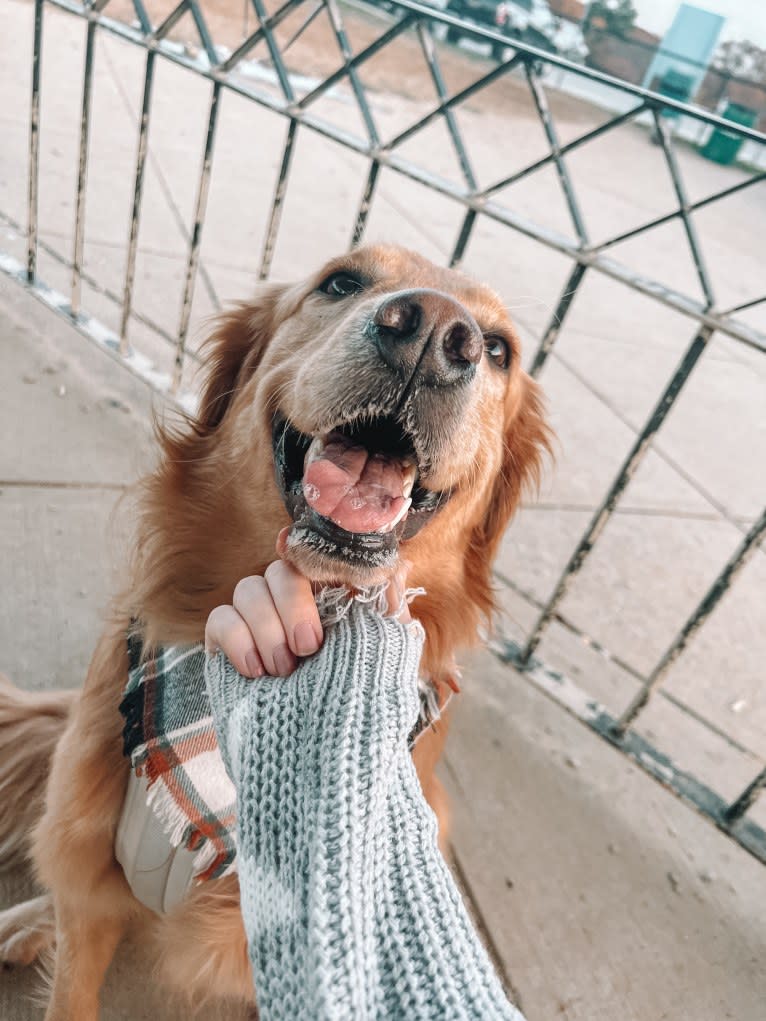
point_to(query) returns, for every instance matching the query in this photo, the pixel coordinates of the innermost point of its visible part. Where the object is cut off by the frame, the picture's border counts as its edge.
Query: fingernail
(254, 665)
(284, 661)
(305, 638)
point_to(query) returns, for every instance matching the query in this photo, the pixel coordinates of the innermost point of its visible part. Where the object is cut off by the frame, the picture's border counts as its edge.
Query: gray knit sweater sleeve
(349, 908)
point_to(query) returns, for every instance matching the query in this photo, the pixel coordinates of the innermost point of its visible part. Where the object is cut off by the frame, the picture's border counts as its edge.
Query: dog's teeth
(392, 524)
(402, 512)
(408, 480)
(314, 452)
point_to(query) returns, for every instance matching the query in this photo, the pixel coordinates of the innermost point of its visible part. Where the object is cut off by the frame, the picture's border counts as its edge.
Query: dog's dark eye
(341, 285)
(499, 350)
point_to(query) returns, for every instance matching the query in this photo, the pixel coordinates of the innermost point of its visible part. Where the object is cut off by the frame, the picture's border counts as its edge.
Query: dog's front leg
(85, 946)
(74, 841)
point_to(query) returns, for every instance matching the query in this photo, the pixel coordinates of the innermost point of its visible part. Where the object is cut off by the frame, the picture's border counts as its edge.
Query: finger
(227, 631)
(252, 600)
(295, 603)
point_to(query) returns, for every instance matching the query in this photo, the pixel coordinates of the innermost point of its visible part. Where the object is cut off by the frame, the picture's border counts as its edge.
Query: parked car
(487, 13)
(529, 21)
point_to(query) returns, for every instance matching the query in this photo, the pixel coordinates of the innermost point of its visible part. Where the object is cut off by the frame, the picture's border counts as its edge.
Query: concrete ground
(604, 897)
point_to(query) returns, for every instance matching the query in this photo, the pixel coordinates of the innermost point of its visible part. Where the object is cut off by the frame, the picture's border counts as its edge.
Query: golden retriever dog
(402, 377)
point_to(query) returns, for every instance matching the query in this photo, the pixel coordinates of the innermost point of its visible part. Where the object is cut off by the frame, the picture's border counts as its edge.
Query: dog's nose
(428, 332)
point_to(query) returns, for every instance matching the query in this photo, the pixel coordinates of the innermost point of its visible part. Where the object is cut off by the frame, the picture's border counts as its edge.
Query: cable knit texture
(349, 908)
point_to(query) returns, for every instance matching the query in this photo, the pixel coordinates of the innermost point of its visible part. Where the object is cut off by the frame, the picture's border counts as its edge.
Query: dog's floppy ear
(526, 443)
(233, 352)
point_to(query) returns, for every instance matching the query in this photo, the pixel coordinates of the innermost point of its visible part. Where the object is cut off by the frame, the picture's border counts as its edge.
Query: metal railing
(297, 105)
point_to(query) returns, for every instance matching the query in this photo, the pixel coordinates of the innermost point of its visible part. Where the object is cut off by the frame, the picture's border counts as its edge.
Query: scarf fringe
(209, 863)
(334, 604)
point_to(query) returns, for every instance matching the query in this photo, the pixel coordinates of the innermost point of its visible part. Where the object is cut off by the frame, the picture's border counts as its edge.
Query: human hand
(273, 620)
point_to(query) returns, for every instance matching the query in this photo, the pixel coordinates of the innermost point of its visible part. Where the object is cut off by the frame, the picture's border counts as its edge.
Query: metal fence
(296, 103)
(630, 59)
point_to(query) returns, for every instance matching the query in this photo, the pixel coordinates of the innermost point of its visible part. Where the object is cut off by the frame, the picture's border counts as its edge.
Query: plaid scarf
(169, 737)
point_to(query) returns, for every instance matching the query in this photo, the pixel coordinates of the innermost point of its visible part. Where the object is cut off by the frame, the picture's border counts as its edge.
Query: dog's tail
(30, 725)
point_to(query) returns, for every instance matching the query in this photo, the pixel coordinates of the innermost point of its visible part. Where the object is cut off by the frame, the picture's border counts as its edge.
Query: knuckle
(216, 618)
(248, 589)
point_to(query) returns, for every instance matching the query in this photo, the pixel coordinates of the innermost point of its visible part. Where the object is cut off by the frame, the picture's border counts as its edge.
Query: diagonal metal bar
(719, 588)
(458, 97)
(82, 170)
(544, 113)
(142, 17)
(626, 235)
(563, 150)
(738, 808)
(275, 216)
(429, 52)
(318, 8)
(274, 52)
(683, 207)
(196, 238)
(466, 229)
(744, 306)
(557, 319)
(339, 31)
(360, 58)
(202, 30)
(625, 474)
(171, 20)
(34, 146)
(699, 204)
(204, 35)
(138, 188)
(260, 33)
(362, 215)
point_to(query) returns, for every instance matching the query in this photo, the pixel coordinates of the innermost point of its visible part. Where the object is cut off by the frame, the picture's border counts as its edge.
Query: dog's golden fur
(208, 515)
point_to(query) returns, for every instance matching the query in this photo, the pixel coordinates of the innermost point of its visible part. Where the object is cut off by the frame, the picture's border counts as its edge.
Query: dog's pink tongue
(361, 492)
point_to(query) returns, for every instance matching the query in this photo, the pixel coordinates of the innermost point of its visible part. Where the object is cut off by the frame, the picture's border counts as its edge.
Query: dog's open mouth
(354, 492)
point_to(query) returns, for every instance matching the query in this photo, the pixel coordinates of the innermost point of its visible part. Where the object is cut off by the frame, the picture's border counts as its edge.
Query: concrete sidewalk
(602, 896)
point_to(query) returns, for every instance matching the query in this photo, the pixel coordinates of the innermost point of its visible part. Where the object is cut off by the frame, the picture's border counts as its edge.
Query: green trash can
(677, 86)
(723, 146)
